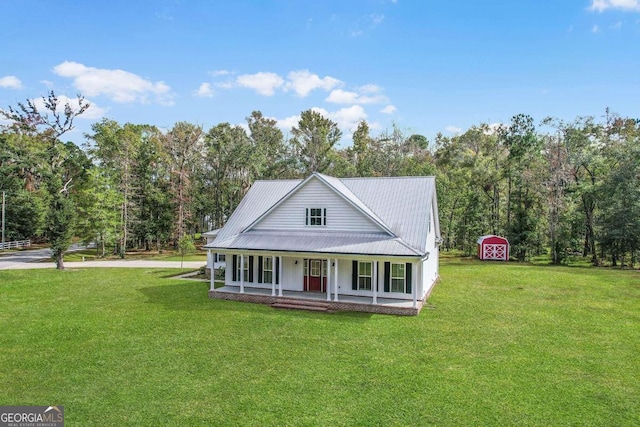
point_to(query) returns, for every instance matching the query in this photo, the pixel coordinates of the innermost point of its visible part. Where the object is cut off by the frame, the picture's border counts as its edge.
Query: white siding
(341, 215)
(430, 266)
(292, 272)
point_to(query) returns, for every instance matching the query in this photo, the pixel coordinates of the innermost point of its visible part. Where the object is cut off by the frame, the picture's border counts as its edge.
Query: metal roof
(330, 243)
(402, 205)
(211, 233)
(261, 197)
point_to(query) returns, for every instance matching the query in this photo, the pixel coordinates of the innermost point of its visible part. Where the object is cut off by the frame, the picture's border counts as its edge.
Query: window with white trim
(316, 216)
(239, 269)
(267, 269)
(315, 268)
(364, 276)
(398, 277)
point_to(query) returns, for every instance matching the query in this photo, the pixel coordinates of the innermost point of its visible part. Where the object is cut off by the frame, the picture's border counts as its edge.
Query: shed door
(494, 251)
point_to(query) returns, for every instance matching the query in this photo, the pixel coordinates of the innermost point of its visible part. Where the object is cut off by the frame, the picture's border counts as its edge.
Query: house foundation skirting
(379, 308)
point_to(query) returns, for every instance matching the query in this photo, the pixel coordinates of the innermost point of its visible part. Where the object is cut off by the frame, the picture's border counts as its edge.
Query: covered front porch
(317, 299)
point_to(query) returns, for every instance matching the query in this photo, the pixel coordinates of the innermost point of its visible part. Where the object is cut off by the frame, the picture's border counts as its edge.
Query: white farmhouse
(364, 244)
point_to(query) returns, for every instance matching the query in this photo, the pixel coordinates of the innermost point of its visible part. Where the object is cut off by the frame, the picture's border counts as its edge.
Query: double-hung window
(364, 276)
(316, 216)
(240, 269)
(267, 269)
(398, 277)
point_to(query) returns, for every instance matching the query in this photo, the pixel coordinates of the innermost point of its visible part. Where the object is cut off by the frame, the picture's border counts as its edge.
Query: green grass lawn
(498, 344)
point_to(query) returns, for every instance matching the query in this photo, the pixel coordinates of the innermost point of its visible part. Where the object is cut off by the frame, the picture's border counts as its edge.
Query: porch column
(335, 289)
(414, 285)
(328, 279)
(374, 280)
(242, 273)
(273, 276)
(280, 269)
(212, 272)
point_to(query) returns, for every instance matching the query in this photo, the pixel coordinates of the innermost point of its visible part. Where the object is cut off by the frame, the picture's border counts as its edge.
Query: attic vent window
(316, 216)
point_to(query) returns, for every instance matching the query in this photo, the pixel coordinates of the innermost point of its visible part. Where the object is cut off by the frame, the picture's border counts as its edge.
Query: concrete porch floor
(345, 303)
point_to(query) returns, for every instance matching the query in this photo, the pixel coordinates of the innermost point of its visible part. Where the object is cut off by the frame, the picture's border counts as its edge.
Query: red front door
(316, 279)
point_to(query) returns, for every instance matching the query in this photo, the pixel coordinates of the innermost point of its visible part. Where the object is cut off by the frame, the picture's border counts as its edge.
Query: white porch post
(414, 285)
(328, 286)
(374, 284)
(273, 276)
(242, 273)
(335, 289)
(280, 269)
(212, 271)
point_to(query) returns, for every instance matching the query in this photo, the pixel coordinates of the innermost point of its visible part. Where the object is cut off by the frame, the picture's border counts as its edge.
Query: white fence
(17, 244)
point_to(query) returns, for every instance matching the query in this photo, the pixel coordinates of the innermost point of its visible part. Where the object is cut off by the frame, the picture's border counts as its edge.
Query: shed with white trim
(493, 248)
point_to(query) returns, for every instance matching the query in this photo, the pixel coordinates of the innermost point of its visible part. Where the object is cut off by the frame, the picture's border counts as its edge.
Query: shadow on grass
(194, 296)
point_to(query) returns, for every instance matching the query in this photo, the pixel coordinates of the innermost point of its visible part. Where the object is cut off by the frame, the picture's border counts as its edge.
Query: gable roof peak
(336, 185)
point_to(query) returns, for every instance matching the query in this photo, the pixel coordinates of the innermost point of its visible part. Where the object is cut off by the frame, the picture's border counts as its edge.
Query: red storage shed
(493, 248)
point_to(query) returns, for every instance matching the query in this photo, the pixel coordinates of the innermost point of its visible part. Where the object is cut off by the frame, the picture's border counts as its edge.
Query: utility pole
(3, 220)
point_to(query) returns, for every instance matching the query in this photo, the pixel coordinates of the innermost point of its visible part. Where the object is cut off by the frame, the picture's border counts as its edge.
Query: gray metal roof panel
(401, 204)
(366, 244)
(339, 186)
(261, 196)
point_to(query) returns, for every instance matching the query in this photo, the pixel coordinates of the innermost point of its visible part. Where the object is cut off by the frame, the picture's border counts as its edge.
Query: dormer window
(316, 216)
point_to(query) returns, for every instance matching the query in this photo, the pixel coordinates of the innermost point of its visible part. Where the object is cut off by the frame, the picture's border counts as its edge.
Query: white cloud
(339, 96)
(225, 85)
(453, 129)
(493, 128)
(119, 85)
(376, 19)
(370, 88)
(347, 118)
(92, 113)
(218, 73)
(375, 126)
(302, 82)
(204, 91)
(595, 29)
(288, 122)
(389, 109)
(627, 5)
(11, 82)
(263, 83)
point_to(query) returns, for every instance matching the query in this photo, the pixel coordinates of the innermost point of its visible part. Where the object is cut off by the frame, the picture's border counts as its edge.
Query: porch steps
(296, 304)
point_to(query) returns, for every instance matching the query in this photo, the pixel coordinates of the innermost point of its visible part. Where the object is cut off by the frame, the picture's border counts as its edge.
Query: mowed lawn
(498, 344)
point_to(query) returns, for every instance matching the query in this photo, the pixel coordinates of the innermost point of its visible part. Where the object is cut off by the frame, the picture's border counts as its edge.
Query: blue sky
(427, 66)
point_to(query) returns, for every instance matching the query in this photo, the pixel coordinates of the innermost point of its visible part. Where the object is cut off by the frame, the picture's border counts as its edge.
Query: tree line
(566, 189)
